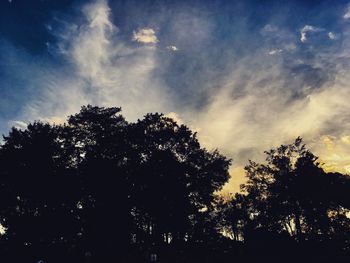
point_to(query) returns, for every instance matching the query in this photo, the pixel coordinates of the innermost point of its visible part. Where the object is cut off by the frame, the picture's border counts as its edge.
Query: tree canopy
(100, 184)
(99, 188)
(290, 197)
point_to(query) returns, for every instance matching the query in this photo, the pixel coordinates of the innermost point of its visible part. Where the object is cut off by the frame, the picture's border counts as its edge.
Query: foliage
(98, 184)
(99, 188)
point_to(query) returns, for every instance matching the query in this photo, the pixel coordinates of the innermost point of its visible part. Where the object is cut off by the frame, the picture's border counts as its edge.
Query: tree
(39, 194)
(97, 184)
(102, 153)
(233, 216)
(292, 194)
(101, 187)
(175, 180)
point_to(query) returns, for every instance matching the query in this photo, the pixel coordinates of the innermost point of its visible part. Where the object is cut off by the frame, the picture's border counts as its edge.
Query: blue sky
(247, 75)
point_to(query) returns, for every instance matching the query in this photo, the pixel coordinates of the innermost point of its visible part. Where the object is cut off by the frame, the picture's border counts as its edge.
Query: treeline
(101, 189)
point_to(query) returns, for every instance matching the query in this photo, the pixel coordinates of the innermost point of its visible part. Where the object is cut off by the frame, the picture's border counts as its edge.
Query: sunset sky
(246, 75)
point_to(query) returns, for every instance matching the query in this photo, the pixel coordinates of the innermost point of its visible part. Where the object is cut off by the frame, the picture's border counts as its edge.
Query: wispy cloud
(241, 97)
(104, 70)
(275, 51)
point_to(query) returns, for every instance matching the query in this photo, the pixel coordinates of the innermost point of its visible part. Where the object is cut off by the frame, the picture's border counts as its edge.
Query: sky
(247, 75)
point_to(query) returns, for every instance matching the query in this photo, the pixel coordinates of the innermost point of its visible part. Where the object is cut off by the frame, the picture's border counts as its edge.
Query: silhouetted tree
(99, 188)
(39, 194)
(176, 179)
(232, 216)
(97, 184)
(102, 152)
(292, 194)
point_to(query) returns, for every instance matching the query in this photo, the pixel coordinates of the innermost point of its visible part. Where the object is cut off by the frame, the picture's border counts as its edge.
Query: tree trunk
(297, 224)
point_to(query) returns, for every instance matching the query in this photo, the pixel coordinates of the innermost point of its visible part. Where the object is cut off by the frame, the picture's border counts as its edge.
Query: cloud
(175, 117)
(270, 29)
(263, 102)
(102, 69)
(172, 48)
(242, 97)
(145, 35)
(262, 117)
(306, 29)
(347, 13)
(331, 35)
(19, 124)
(275, 51)
(277, 40)
(90, 62)
(335, 153)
